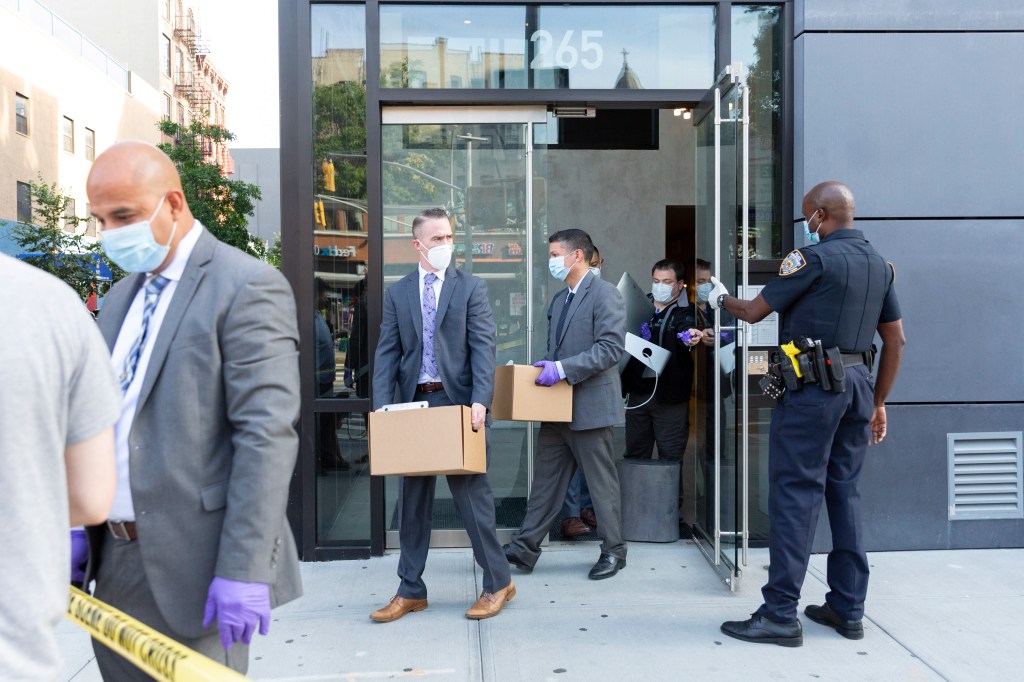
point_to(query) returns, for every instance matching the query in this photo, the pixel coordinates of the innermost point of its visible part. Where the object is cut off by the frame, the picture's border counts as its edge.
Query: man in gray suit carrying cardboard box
(586, 334)
(205, 343)
(436, 345)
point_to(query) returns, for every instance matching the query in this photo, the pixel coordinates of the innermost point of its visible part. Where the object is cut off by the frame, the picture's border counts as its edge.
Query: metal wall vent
(986, 475)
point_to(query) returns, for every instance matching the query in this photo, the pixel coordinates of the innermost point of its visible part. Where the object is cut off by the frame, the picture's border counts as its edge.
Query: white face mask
(440, 257)
(596, 271)
(661, 292)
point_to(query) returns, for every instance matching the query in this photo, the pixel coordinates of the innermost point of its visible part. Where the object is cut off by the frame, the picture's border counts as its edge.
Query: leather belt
(429, 387)
(853, 359)
(123, 530)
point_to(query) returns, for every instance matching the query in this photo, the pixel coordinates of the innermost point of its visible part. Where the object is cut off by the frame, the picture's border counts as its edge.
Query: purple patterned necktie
(429, 362)
(153, 289)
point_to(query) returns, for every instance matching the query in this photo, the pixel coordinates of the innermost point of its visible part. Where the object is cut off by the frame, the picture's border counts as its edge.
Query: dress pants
(560, 450)
(667, 424)
(817, 448)
(474, 500)
(122, 583)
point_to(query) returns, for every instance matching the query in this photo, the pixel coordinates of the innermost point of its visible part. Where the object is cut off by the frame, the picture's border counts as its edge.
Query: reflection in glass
(538, 47)
(342, 479)
(757, 43)
(339, 202)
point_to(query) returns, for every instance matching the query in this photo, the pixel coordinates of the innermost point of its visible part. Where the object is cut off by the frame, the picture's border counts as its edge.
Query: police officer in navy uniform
(840, 291)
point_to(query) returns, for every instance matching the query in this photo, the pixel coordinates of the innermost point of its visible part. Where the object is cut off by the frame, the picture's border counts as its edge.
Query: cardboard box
(421, 442)
(517, 397)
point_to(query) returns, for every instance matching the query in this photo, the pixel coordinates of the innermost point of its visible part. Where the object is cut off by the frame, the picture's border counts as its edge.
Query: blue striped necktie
(153, 288)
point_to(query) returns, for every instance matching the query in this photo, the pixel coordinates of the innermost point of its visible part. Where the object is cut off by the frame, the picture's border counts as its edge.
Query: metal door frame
(445, 115)
(731, 77)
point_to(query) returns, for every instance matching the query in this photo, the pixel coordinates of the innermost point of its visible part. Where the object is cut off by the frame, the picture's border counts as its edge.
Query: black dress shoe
(757, 628)
(515, 560)
(850, 629)
(606, 567)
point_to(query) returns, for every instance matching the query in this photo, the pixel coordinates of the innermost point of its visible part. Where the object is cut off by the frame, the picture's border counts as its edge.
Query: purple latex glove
(645, 331)
(726, 338)
(238, 608)
(79, 555)
(685, 337)
(548, 375)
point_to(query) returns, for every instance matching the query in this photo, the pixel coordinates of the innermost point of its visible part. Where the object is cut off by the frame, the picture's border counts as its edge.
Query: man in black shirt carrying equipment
(833, 296)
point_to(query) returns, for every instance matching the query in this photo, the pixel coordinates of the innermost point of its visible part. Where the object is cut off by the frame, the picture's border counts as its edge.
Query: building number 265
(589, 55)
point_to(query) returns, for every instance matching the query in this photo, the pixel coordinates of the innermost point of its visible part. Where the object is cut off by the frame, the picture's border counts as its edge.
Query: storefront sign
(334, 251)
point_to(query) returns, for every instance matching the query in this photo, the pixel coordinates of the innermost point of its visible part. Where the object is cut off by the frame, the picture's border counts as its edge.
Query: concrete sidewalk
(946, 615)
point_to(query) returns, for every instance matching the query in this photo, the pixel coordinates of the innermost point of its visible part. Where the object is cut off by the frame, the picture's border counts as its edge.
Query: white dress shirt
(424, 377)
(123, 510)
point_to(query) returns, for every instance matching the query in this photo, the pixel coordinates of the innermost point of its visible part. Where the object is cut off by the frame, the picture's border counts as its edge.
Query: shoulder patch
(793, 262)
(893, 268)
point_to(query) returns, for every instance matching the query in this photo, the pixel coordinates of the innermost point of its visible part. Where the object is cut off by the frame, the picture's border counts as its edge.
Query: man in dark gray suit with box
(437, 345)
(586, 333)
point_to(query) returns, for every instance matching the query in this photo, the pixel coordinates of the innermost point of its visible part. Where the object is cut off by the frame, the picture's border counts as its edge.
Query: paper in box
(421, 442)
(517, 397)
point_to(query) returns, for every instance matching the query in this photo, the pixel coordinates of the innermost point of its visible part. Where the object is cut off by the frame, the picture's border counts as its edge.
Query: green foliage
(274, 252)
(65, 255)
(220, 204)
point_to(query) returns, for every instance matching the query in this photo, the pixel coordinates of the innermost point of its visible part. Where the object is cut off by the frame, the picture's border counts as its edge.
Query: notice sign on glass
(765, 332)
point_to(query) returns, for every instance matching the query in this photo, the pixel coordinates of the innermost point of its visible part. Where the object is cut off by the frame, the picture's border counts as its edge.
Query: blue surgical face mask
(661, 292)
(811, 237)
(557, 268)
(703, 291)
(133, 248)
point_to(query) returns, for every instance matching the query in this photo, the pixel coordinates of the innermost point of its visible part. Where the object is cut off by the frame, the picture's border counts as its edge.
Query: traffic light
(318, 214)
(327, 168)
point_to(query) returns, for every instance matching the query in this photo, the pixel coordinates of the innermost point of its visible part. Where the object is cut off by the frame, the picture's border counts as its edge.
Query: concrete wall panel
(919, 125)
(905, 481)
(903, 15)
(955, 281)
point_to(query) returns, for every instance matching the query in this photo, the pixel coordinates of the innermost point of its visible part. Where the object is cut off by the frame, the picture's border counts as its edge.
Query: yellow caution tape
(155, 654)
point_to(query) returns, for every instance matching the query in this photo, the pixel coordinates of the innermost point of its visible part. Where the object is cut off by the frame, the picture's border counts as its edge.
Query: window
(70, 219)
(179, 67)
(167, 107)
(21, 113)
(90, 144)
(24, 202)
(181, 114)
(167, 10)
(69, 135)
(90, 221)
(165, 55)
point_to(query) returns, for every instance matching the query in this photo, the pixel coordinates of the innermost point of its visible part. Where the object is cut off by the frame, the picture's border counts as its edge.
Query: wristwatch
(721, 298)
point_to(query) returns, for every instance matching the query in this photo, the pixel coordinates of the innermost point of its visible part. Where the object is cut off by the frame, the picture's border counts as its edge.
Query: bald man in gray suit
(586, 334)
(205, 340)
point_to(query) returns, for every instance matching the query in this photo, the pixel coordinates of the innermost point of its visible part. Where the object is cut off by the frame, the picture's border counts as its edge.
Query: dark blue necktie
(153, 289)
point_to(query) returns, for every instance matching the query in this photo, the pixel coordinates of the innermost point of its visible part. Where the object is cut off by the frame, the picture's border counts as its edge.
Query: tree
(220, 204)
(63, 254)
(274, 252)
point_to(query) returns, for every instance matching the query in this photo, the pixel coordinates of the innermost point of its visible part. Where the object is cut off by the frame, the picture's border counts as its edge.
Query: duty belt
(853, 359)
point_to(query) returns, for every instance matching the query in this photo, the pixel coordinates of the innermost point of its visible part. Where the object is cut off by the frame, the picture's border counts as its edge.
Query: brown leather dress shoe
(573, 526)
(490, 603)
(589, 517)
(398, 607)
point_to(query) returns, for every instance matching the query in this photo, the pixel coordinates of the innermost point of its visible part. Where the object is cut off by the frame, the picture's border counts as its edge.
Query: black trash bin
(650, 500)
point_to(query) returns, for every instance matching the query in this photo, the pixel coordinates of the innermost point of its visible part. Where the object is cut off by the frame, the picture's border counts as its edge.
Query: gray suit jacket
(464, 340)
(213, 443)
(593, 337)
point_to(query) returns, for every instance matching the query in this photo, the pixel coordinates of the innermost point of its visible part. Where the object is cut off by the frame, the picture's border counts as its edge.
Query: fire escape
(188, 82)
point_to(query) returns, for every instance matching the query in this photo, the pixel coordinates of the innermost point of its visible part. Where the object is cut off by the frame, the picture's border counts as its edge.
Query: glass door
(720, 528)
(476, 163)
